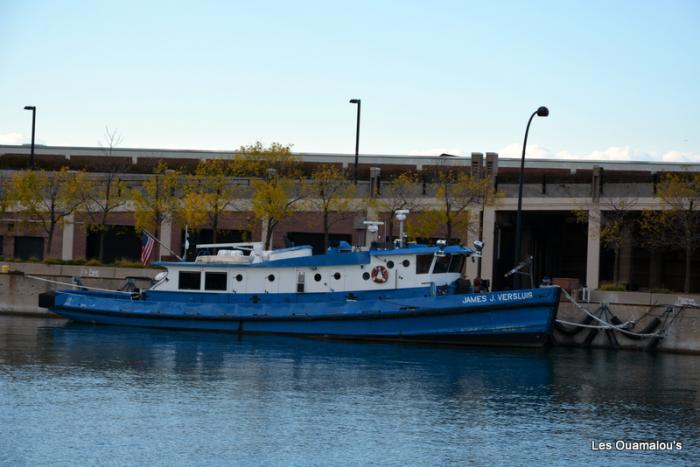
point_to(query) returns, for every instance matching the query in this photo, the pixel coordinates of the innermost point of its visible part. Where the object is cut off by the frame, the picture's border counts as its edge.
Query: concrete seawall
(679, 315)
(19, 295)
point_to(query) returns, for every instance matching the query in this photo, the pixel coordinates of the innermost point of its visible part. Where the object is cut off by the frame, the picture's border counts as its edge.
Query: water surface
(74, 394)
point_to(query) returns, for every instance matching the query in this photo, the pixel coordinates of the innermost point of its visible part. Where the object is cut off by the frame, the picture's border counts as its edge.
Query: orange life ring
(380, 274)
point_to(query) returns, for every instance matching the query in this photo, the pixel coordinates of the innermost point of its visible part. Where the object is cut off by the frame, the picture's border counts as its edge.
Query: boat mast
(401, 216)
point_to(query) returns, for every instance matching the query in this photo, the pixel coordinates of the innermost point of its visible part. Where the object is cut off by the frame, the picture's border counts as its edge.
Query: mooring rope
(76, 285)
(609, 326)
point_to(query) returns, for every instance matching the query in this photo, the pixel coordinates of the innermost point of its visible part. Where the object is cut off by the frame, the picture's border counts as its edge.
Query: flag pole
(186, 245)
(161, 244)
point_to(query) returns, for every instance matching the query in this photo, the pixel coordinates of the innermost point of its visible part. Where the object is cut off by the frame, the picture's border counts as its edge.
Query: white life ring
(380, 274)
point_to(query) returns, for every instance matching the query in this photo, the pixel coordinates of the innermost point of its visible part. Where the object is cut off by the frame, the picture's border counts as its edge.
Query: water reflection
(133, 393)
(193, 356)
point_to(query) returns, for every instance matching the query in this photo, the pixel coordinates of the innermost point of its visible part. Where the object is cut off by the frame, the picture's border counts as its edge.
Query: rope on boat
(80, 286)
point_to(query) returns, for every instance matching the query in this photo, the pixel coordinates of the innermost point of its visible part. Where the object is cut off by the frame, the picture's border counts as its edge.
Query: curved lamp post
(357, 135)
(541, 112)
(31, 156)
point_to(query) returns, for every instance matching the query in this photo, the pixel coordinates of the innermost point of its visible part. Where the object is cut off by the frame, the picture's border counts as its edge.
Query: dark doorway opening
(29, 248)
(555, 240)
(120, 242)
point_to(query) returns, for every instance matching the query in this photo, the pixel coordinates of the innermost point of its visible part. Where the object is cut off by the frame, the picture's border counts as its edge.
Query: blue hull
(522, 318)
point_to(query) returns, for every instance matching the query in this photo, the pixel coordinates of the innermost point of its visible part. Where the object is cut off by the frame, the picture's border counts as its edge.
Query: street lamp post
(541, 112)
(33, 109)
(357, 136)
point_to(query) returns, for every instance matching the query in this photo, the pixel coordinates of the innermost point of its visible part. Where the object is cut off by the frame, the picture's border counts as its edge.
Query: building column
(655, 267)
(625, 260)
(263, 232)
(166, 235)
(68, 234)
(489, 239)
(593, 251)
(472, 267)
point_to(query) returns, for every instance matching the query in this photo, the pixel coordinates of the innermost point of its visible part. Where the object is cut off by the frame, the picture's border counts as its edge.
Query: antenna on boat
(478, 247)
(401, 216)
(373, 228)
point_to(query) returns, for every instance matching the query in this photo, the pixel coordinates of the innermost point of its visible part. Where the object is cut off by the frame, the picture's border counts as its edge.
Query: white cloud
(11, 138)
(533, 150)
(612, 153)
(680, 156)
(437, 152)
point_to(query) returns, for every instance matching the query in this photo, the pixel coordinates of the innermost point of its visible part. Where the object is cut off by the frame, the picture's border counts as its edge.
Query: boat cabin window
(423, 263)
(442, 264)
(214, 281)
(457, 263)
(189, 280)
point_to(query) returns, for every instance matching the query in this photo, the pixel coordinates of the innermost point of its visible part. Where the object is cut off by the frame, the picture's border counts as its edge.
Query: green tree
(157, 199)
(330, 192)
(677, 226)
(46, 199)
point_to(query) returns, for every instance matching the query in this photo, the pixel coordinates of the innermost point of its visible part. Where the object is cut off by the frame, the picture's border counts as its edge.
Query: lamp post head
(354, 101)
(29, 107)
(543, 112)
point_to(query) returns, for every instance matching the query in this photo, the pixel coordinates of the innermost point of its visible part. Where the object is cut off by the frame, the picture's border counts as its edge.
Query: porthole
(365, 275)
(317, 277)
(390, 264)
(336, 276)
(271, 278)
(239, 277)
(406, 263)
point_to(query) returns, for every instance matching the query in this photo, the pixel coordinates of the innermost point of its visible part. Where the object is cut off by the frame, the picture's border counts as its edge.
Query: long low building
(564, 204)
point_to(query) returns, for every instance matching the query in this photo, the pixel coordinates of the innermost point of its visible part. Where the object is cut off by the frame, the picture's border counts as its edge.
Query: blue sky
(621, 78)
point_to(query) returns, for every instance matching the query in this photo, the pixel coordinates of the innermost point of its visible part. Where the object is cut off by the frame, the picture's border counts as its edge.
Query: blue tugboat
(395, 292)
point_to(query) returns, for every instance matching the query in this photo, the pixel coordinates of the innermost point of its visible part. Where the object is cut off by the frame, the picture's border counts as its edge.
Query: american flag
(147, 244)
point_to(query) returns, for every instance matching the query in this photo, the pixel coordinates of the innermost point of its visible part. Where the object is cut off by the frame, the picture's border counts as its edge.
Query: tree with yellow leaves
(104, 193)
(330, 192)
(277, 192)
(403, 192)
(157, 199)
(208, 193)
(616, 222)
(256, 160)
(274, 199)
(678, 224)
(456, 193)
(46, 199)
